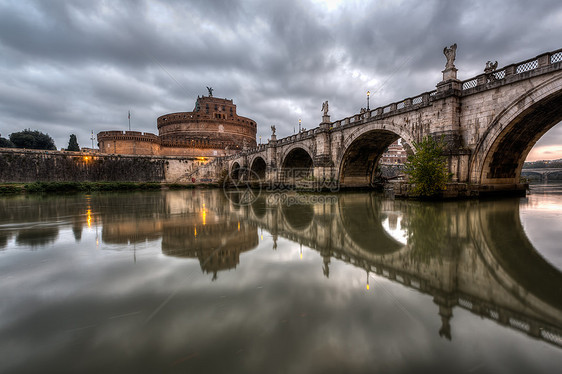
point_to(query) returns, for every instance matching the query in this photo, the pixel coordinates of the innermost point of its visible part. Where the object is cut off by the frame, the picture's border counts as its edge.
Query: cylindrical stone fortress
(212, 129)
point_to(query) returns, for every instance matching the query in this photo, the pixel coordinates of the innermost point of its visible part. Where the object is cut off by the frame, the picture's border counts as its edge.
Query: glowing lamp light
(89, 217)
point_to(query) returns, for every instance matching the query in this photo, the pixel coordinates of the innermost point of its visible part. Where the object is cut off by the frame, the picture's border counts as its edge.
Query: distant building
(395, 154)
(212, 129)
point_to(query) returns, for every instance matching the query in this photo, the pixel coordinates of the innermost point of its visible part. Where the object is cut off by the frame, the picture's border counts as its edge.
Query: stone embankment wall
(25, 166)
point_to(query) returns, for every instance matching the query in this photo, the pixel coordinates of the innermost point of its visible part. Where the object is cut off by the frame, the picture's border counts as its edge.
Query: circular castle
(212, 129)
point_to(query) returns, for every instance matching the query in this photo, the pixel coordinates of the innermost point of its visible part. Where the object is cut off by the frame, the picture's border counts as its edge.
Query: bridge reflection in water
(472, 255)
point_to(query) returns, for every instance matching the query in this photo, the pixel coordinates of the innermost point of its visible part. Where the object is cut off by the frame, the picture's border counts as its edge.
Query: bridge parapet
(406, 105)
(539, 64)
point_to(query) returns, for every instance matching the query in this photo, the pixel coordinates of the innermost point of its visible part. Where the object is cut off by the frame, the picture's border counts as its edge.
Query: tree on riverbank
(427, 168)
(32, 140)
(5, 143)
(73, 144)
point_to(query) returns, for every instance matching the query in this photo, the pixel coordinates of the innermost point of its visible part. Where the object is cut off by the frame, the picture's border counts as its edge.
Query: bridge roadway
(489, 123)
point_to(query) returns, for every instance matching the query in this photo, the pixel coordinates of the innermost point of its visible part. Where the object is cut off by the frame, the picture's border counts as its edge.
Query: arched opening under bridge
(258, 169)
(297, 165)
(359, 162)
(235, 171)
(501, 154)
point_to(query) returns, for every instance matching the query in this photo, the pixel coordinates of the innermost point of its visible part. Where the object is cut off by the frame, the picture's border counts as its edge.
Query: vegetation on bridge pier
(427, 168)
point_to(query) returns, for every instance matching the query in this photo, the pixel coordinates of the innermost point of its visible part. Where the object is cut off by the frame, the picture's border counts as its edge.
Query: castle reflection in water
(457, 252)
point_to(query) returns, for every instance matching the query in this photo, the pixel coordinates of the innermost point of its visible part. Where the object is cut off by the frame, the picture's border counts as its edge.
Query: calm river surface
(191, 281)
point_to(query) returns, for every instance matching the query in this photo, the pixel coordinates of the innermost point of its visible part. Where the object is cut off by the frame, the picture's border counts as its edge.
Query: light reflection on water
(188, 281)
(541, 216)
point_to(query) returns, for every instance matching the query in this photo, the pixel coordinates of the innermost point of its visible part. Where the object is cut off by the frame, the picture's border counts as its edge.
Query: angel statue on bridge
(273, 130)
(450, 53)
(325, 107)
(490, 66)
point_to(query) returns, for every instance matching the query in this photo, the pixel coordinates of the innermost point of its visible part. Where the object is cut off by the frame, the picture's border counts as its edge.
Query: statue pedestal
(449, 73)
(326, 118)
(450, 85)
(273, 138)
(325, 125)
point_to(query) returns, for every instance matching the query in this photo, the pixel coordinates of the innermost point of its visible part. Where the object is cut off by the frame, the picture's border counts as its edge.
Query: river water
(199, 281)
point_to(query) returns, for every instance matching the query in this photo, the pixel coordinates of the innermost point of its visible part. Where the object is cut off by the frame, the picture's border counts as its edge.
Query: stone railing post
(393, 107)
(407, 103)
(425, 99)
(481, 79)
(544, 60)
(510, 69)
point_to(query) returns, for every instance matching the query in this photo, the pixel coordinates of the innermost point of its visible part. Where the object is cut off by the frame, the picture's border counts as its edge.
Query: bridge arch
(297, 163)
(503, 148)
(235, 173)
(362, 150)
(258, 168)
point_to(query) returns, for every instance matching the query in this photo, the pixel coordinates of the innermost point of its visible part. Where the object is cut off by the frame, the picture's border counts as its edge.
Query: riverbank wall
(25, 166)
(454, 191)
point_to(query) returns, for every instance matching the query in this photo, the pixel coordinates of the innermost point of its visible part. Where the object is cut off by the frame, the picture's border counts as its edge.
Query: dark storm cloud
(72, 67)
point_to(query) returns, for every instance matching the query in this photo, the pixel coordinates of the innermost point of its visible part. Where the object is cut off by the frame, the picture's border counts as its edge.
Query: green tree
(32, 140)
(427, 168)
(5, 143)
(73, 144)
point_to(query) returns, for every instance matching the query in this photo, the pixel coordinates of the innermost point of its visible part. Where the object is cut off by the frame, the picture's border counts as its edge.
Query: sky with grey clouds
(77, 66)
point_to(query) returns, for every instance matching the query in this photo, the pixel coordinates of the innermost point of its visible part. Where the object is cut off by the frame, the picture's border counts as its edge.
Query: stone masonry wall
(25, 166)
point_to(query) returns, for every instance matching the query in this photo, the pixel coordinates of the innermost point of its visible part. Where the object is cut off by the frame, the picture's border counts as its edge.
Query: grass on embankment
(41, 187)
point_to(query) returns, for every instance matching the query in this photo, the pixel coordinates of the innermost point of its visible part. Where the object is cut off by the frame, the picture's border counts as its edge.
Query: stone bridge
(489, 122)
(542, 173)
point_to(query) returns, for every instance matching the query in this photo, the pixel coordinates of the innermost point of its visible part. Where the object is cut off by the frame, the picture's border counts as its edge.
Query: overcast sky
(77, 66)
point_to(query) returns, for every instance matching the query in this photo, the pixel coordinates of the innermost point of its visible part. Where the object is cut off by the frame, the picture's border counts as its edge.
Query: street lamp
(299, 126)
(368, 94)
